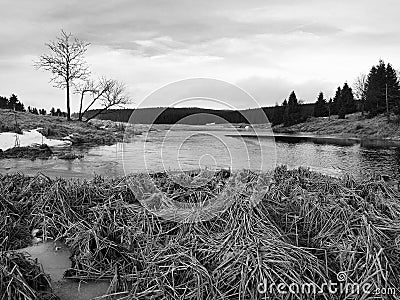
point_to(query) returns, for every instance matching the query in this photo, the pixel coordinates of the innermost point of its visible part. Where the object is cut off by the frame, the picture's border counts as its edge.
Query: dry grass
(353, 126)
(80, 133)
(306, 228)
(21, 278)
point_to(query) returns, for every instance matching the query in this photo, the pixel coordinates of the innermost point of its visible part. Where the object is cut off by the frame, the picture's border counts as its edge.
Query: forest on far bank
(372, 94)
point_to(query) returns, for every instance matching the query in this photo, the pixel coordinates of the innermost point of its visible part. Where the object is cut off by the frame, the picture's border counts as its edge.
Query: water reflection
(211, 148)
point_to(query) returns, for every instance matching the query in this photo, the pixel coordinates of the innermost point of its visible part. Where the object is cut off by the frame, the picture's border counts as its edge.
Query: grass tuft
(286, 226)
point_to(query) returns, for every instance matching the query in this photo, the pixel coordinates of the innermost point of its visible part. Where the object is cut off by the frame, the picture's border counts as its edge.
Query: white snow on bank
(28, 138)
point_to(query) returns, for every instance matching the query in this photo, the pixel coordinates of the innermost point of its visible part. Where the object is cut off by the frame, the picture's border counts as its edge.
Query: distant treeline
(15, 104)
(11, 103)
(372, 94)
(200, 116)
(376, 93)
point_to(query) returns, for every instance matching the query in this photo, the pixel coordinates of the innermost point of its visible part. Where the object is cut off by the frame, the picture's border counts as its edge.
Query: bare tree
(109, 93)
(97, 90)
(66, 62)
(360, 89)
(88, 87)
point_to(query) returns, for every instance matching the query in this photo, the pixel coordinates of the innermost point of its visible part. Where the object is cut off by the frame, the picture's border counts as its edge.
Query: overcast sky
(267, 47)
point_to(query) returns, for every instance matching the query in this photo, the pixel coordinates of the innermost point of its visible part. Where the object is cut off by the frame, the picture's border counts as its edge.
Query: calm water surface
(190, 147)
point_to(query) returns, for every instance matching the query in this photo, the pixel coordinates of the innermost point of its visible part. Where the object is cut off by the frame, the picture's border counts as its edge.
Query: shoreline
(353, 126)
(55, 133)
(304, 137)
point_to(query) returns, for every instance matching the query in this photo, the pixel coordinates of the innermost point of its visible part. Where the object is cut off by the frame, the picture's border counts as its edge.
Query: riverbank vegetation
(375, 94)
(30, 152)
(354, 125)
(79, 133)
(306, 228)
(370, 109)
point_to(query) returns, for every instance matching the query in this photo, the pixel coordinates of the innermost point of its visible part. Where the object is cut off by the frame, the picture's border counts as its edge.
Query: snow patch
(28, 138)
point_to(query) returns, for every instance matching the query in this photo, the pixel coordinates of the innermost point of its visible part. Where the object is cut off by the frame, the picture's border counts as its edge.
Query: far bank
(353, 126)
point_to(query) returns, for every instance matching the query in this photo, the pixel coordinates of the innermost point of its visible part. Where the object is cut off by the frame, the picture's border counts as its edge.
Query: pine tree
(52, 111)
(285, 117)
(292, 99)
(348, 99)
(337, 101)
(320, 108)
(292, 111)
(375, 102)
(330, 105)
(14, 103)
(3, 102)
(393, 89)
(342, 111)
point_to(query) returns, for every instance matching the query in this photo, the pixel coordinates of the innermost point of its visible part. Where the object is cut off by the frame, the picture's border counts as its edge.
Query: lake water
(190, 147)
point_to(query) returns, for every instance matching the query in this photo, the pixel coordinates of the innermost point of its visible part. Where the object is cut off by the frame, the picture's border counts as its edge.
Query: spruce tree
(376, 85)
(393, 89)
(330, 105)
(285, 117)
(14, 103)
(3, 102)
(292, 110)
(320, 107)
(336, 103)
(348, 99)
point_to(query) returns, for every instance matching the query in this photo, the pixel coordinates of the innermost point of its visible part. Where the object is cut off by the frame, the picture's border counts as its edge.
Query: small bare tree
(97, 91)
(66, 62)
(360, 90)
(88, 87)
(109, 93)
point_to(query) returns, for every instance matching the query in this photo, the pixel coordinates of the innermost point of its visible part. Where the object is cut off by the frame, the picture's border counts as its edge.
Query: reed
(285, 226)
(21, 278)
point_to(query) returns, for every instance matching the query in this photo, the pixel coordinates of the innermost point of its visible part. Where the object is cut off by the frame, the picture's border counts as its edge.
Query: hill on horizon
(198, 116)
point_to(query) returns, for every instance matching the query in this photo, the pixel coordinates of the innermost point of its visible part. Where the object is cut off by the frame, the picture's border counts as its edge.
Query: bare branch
(87, 87)
(360, 89)
(113, 93)
(102, 87)
(65, 62)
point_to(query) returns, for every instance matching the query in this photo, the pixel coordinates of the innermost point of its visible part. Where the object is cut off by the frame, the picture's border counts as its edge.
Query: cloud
(269, 46)
(268, 91)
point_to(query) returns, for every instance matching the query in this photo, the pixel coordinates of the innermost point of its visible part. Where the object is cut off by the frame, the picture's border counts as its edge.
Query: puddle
(54, 260)
(54, 257)
(72, 290)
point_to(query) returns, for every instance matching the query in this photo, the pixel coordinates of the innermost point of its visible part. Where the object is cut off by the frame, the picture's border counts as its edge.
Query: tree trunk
(96, 114)
(68, 107)
(80, 108)
(362, 105)
(387, 104)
